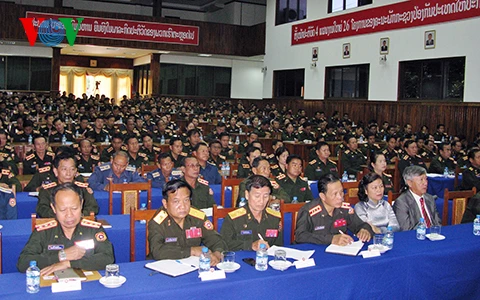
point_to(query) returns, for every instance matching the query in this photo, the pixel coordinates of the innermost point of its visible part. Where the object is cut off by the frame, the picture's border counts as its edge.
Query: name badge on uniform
(340, 223)
(271, 233)
(318, 170)
(303, 189)
(319, 228)
(56, 247)
(245, 232)
(86, 244)
(171, 240)
(193, 233)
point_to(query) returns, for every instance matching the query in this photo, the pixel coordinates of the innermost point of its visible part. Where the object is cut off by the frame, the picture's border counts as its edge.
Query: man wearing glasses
(202, 195)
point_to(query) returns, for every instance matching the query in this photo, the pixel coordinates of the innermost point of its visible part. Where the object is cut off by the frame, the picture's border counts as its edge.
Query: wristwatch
(61, 255)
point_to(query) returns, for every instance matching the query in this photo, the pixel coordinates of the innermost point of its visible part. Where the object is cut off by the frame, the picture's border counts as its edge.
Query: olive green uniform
(353, 161)
(218, 162)
(86, 166)
(299, 188)
(276, 170)
(390, 155)
(167, 240)
(316, 169)
(244, 170)
(10, 160)
(439, 164)
(33, 162)
(202, 194)
(48, 239)
(228, 153)
(6, 176)
(316, 226)
(44, 210)
(303, 135)
(471, 178)
(43, 174)
(177, 163)
(240, 229)
(277, 192)
(141, 159)
(151, 155)
(387, 183)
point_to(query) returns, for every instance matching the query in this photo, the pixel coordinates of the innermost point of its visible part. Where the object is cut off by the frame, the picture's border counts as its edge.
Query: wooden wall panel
(102, 62)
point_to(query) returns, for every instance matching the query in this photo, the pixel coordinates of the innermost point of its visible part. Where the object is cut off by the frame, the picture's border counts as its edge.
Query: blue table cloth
(413, 269)
(437, 185)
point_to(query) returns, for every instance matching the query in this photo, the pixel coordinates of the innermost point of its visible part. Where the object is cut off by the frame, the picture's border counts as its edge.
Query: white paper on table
(33, 194)
(212, 275)
(292, 253)
(351, 249)
(432, 175)
(370, 253)
(86, 174)
(174, 267)
(208, 211)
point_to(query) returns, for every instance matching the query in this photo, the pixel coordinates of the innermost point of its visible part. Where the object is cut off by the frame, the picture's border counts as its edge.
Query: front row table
(447, 269)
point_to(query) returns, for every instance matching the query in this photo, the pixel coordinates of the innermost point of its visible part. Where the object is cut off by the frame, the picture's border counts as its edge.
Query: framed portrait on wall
(384, 45)
(315, 54)
(429, 39)
(346, 49)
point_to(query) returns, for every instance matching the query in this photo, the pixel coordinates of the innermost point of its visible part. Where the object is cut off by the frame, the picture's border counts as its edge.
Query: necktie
(424, 213)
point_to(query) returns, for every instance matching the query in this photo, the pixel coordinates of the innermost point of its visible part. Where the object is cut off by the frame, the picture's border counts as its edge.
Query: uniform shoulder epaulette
(420, 156)
(346, 205)
(186, 144)
(386, 174)
(104, 167)
(275, 166)
(237, 213)
(46, 226)
(155, 174)
(196, 213)
(271, 156)
(50, 153)
(210, 163)
(89, 223)
(246, 166)
(81, 184)
(274, 213)
(29, 157)
(314, 210)
(68, 131)
(130, 168)
(313, 161)
(19, 132)
(384, 151)
(332, 162)
(44, 169)
(160, 217)
(5, 172)
(95, 157)
(156, 149)
(8, 147)
(347, 151)
(405, 157)
(222, 157)
(440, 158)
(281, 176)
(203, 181)
(274, 184)
(49, 185)
(109, 149)
(470, 168)
(183, 154)
(141, 154)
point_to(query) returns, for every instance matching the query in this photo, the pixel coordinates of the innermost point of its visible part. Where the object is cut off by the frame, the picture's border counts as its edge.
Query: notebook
(174, 268)
(351, 249)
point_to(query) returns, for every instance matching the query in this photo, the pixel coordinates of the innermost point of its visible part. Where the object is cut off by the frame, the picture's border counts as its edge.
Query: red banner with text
(389, 17)
(116, 29)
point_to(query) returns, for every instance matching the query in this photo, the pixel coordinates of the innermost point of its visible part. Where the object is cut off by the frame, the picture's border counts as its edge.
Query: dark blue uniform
(8, 205)
(158, 180)
(210, 174)
(100, 175)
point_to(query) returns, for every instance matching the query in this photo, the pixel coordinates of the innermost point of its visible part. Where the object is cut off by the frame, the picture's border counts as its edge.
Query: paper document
(173, 267)
(292, 253)
(351, 249)
(208, 211)
(86, 174)
(33, 194)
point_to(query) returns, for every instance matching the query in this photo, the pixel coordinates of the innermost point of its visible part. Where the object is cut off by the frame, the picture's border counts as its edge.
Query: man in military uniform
(306, 133)
(68, 241)
(202, 194)
(242, 228)
(39, 157)
(97, 134)
(329, 133)
(263, 131)
(326, 220)
(64, 169)
(215, 135)
(179, 230)
(443, 160)
(352, 158)
(471, 176)
(176, 151)
(60, 132)
(208, 171)
(8, 204)
(193, 138)
(292, 183)
(8, 159)
(410, 158)
(135, 157)
(321, 165)
(370, 147)
(8, 180)
(260, 166)
(81, 129)
(115, 146)
(245, 166)
(48, 127)
(215, 157)
(275, 145)
(251, 137)
(86, 160)
(391, 154)
(227, 150)
(164, 173)
(440, 135)
(458, 154)
(149, 149)
(22, 136)
(118, 171)
(429, 150)
(162, 131)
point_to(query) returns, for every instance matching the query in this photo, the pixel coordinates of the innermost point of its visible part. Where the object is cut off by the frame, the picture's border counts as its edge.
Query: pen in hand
(260, 237)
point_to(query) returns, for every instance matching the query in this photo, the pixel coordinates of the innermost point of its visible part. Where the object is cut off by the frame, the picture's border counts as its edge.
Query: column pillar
(54, 88)
(155, 73)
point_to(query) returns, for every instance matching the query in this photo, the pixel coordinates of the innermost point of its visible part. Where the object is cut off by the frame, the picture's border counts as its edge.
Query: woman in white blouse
(372, 208)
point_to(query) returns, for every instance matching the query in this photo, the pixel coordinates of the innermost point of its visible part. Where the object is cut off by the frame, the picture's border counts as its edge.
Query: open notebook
(174, 268)
(351, 249)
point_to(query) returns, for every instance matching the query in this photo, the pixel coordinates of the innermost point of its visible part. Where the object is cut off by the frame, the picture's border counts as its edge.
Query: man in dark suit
(416, 203)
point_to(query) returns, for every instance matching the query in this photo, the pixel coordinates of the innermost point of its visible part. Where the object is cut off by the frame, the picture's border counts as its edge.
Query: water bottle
(421, 230)
(237, 140)
(248, 122)
(240, 131)
(222, 170)
(261, 262)
(204, 265)
(107, 139)
(384, 138)
(388, 238)
(445, 172)
(227, 168)
(125, 180)
(33, 278)
(295, 200)
(64, 139)
(345, 176)
(143, 207)
(162, 140)
(243, 202)
(443, 139)
(476, 225)
(361, 139)
(30, 139)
